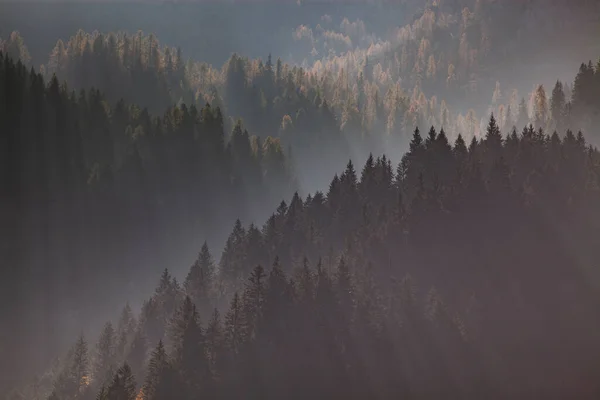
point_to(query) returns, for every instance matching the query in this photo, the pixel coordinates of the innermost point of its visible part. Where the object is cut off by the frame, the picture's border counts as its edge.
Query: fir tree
(105, 355)
(159, 383)
(122, 386)
(199, 281)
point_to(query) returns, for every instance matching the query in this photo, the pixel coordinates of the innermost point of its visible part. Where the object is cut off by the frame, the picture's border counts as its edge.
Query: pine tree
(137, 354)
(184, 322)
(460, 147)
(105, 355)
(125, 330)
(276, 303)
(64, 385)
(431, 137)
(366, 177)
(416, 142)
(102, 393)
(214, 344)
(126, 322)
(167, 295)
(80, 366)
(558, 105)
(234, 257)
(234, 327)
(473, 146)
(123, 386)
(199, 281)
(583, 90)
(159, 383)
(348, 179)
(151, 321)
(493, 138)
(253, 301)
(189, 355)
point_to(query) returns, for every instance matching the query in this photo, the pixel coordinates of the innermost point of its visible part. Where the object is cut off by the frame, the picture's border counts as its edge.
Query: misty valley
(300, 200)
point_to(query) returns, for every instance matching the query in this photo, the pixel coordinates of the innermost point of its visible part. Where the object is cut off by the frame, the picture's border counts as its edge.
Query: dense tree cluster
(354, 105)
(253, 27)
(319, 335)
(584, 108)
(574, 106)
(14, 47)
(92, 192)
(464, 268)
(450, 48)
(135, 68)
(364, 99)
(499, 232)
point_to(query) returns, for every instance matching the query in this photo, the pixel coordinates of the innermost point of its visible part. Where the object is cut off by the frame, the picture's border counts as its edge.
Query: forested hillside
(457, 50)
(209, 31)
(468, 271)
(372, 95)
(460, 258)
(94, 194)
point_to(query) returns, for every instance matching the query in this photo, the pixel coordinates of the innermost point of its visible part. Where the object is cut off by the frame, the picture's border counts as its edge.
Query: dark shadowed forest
(301, 200)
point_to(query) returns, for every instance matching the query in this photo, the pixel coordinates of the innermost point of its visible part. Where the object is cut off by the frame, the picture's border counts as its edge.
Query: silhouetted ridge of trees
(347, 104)
(92, 192)
(462, 272)
(352, 104)
(338, 293)
(133, 67)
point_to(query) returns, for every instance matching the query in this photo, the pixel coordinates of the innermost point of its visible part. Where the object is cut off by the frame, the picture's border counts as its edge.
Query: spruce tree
(235, 335)
(199, 281)
(558, 106)
(189, 354)
(137, 353)
(214, 344)
(102, 393)
(105, 355)
(493, 138)
(253, 300)
(127, 322)
(159, 383)
(276, 303)
(80, 367)
(416, 142)
(123, 385)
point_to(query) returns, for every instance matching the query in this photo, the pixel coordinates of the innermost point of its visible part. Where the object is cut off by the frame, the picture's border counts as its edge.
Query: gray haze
(324, 38)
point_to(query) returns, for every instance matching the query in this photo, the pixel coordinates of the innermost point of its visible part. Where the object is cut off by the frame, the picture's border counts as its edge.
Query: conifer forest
(312, 199)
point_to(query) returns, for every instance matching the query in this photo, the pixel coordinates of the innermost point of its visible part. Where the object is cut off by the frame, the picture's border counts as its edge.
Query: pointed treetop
(442, 138)
(473, 145)
(282, 208)
(432, 135)
(459, 145)
(349, 176)
(416, 141)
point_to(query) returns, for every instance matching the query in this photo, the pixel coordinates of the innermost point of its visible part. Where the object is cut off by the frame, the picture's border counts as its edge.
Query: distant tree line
(132, 67)
(348, 105)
